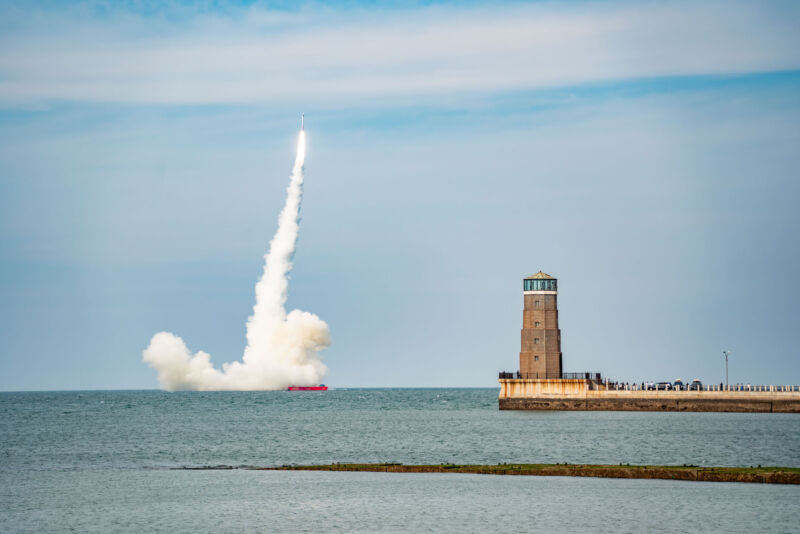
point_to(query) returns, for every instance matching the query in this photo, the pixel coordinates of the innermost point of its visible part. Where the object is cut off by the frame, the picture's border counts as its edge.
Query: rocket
(302, 118)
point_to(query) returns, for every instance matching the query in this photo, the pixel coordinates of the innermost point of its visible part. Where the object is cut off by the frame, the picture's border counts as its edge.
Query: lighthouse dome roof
(540, 276)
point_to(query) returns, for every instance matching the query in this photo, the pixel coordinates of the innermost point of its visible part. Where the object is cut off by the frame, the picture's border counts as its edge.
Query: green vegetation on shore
(769, 475)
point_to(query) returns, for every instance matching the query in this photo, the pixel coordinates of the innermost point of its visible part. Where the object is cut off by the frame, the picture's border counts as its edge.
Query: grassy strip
(769, 475)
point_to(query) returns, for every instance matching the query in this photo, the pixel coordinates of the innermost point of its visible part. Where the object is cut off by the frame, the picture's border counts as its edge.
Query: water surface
(101, 461)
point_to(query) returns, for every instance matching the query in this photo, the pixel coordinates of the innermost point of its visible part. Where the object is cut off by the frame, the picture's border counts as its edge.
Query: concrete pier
(563, 394)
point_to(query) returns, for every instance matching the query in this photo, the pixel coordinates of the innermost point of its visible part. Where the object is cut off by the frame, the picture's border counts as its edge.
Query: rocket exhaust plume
(282, 349)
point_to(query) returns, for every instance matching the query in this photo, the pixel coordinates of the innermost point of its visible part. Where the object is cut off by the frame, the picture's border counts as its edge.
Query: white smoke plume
(282, 349)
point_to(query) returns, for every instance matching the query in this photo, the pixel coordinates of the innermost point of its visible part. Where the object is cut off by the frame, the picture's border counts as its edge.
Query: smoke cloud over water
(282, 349)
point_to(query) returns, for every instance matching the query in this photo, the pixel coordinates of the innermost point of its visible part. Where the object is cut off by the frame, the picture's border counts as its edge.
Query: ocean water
(104, 462)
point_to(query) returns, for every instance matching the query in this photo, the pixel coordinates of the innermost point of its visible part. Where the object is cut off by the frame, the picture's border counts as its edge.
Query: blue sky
(645, 153)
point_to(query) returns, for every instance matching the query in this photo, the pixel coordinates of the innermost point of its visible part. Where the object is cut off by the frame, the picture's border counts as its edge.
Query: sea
(112, 461)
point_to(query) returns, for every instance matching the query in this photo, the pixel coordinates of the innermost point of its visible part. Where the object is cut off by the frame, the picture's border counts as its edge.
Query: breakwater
(578, 394)
(768, 475)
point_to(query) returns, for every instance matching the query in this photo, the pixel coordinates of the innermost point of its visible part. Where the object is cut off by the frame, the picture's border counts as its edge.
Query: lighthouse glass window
(540, 285)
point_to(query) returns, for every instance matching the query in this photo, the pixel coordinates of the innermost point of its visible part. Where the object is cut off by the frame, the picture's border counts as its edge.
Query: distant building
(541, 384)
(540, 354)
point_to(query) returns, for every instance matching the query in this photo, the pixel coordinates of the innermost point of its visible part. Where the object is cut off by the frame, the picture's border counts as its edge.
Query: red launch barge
(321, 387)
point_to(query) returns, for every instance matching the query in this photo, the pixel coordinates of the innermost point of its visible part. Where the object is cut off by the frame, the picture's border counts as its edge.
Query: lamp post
(726, 352)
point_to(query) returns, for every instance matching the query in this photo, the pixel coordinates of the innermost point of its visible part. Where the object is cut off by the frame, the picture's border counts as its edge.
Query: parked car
(666, 386)
(649, 386)
(696, 385)
(678, 384)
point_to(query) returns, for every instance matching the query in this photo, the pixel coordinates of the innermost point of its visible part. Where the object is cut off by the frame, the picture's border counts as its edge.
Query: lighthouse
(540, 354)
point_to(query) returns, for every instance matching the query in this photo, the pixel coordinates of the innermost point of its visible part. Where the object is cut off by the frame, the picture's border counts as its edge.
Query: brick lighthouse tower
(540, 355)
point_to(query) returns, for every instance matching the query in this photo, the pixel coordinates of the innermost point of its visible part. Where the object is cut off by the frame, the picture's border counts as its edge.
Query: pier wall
(522, 394)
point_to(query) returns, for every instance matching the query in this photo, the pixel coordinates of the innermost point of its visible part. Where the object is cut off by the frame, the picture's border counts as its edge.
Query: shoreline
(757, 475)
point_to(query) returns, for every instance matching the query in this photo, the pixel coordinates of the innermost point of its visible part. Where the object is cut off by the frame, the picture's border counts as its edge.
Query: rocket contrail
(282, 349)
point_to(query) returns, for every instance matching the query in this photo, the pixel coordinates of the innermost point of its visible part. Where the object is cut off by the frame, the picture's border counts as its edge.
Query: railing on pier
(596, 377)
(754, 388)
(583, 376)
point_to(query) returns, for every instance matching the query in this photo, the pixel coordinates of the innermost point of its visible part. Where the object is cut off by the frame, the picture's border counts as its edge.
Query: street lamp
(726, 352)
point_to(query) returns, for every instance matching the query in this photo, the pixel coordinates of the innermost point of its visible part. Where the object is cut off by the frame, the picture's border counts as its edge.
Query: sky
(644, 153)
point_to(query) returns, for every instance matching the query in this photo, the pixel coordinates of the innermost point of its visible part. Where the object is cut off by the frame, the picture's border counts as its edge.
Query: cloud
(330, 57)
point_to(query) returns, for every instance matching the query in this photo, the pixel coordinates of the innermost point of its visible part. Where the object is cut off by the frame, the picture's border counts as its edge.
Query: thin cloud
(335, 57)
